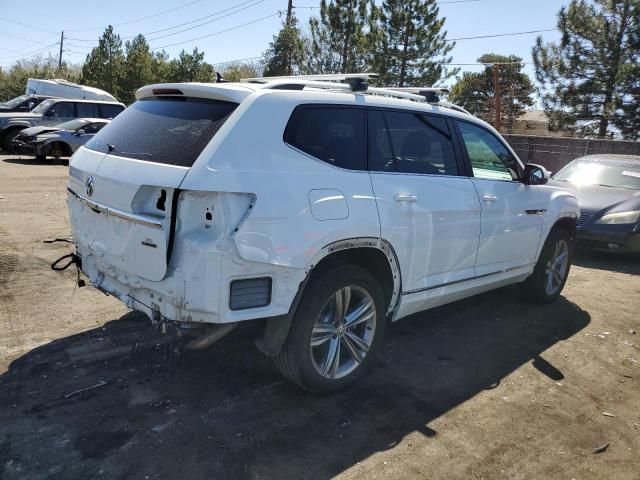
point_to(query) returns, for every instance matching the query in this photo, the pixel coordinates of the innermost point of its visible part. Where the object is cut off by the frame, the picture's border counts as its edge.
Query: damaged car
(318, 206)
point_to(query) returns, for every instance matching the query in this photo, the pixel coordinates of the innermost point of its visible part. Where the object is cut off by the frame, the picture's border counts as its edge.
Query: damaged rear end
(138, 235)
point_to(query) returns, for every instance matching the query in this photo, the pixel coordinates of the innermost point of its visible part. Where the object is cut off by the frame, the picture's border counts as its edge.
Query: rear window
(170, 130)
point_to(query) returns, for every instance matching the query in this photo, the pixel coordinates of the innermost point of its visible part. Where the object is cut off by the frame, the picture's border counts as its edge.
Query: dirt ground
(489, 387)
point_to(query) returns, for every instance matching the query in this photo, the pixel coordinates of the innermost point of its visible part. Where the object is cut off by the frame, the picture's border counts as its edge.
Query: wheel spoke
(341, 302)
(321, 333)
(352, 349)
(362, 313)
(361, 345)
(561, 258)
(549, 286)
(557, 277)
(332, 360)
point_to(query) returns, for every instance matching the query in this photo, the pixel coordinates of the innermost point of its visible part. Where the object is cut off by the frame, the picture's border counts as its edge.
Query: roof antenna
(219, 78)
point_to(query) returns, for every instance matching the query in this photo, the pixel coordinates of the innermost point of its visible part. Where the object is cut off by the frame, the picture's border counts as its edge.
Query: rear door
(428, 211)
(511, 219)
(123, 182)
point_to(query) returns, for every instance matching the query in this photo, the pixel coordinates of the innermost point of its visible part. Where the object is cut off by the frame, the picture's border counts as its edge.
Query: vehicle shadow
(613, 262)
(225, 412)
(34, 161)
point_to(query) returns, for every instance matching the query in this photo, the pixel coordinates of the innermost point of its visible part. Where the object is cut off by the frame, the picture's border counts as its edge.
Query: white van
(59, 87)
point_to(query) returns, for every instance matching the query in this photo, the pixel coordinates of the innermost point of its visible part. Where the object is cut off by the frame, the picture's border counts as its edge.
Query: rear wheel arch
(374, 255)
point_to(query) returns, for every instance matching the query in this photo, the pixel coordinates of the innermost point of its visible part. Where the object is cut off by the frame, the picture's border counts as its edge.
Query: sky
(242, 29)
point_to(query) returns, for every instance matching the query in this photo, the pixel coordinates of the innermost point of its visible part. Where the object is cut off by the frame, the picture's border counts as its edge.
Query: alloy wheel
(343, 332)
(557, 267)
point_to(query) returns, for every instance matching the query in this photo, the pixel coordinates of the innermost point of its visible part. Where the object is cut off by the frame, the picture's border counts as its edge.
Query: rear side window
(87, 110)
(171, 130)
(410, 142)
(333, 134)
(109, 111)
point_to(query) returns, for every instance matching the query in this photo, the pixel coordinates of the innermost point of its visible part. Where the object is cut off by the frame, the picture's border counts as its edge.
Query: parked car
(608, 192)
(59, 141)
(320, 209)
(53, 112)
(23, 103)
(59, 87)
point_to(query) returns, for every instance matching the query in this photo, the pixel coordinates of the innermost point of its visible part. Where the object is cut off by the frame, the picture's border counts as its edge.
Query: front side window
(410, 142)
(93, 127)
(169, 130)
(43, 107)
(489, 157)
(61, 110)
(333, 134)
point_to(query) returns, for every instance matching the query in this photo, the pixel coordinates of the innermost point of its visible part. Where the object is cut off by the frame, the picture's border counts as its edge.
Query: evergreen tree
(104, 67)
(286, 52)
(160, 67)
(191, 67)
(587, 75)
(475, 91)
(138, 68)
(410, 44)
(236, 71)
(339, 41)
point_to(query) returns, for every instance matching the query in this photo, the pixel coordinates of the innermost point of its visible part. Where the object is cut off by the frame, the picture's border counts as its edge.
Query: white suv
(321, 209)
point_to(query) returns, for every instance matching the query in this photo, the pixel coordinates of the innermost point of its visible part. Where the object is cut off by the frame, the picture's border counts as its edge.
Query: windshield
(43, 106)
(618, 175)
(14, 102)
(72, 124)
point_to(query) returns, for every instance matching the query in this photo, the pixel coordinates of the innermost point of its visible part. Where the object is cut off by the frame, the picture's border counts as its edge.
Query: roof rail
(355, 82)
(430, 94)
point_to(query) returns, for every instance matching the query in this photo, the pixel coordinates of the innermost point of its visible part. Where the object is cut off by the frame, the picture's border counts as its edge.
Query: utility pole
(289, 10)
(496, 96)
(60, 55)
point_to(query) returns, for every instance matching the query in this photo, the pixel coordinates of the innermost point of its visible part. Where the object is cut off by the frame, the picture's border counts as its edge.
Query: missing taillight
(162, 200)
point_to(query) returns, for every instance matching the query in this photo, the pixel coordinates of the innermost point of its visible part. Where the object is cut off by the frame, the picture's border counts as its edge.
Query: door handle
(405, 197)
(489, 198)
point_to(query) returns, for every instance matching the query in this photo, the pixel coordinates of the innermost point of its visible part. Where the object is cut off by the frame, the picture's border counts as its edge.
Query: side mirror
(535, 174)
(80, 131)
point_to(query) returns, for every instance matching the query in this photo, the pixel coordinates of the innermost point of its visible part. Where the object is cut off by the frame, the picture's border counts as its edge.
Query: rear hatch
(123, 185)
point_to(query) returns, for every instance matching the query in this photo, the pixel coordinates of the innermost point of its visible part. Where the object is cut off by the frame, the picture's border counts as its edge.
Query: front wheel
(552, 270)
(336, 330)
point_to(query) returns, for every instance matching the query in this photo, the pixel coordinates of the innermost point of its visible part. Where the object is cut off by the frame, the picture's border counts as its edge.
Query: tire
(543, 286)
(310, 366)
(41, 158)
(8, 137)
(56, 151)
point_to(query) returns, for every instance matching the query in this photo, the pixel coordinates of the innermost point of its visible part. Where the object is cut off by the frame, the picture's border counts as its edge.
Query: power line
(31, 54)
(244, 6)
(28, 26)
(219, 32)
(138, 19)
(500, 35)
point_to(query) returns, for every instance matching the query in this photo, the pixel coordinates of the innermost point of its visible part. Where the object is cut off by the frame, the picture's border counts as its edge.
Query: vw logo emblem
(89, 185)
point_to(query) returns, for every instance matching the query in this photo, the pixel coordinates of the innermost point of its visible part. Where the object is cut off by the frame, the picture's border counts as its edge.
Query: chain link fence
(555, 152)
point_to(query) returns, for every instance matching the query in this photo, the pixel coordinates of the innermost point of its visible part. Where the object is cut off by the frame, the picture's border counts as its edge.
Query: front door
(511, 219)
(429, 213)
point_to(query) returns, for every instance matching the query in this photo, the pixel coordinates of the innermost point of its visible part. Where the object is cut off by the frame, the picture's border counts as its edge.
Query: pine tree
(191, 67)
(410, 44)
(339, 41)
(138, 68)
(587, 75)
(104, 67)
(286, 52)
(475, 91)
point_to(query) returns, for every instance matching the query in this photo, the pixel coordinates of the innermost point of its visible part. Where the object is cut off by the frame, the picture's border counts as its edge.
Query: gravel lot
(489, 387)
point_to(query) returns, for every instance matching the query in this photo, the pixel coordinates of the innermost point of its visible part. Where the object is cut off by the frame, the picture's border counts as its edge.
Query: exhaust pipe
(210, 336)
